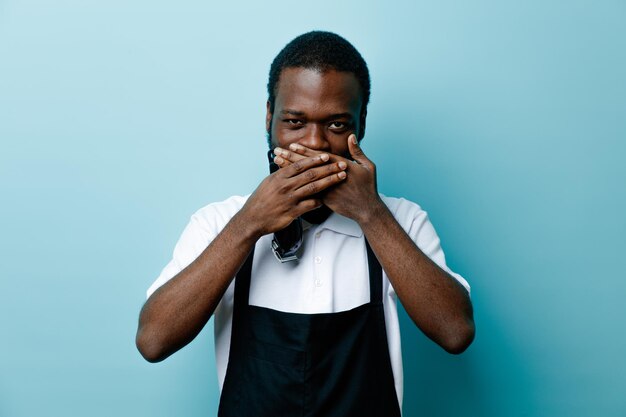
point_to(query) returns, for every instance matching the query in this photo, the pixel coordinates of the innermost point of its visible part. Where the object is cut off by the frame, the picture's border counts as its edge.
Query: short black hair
(320, 51)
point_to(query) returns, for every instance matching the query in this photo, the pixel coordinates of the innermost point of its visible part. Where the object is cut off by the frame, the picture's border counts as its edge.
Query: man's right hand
(176, 312)
(290, 192)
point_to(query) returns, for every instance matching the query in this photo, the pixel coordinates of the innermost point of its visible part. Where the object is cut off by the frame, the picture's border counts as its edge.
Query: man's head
(318, 89)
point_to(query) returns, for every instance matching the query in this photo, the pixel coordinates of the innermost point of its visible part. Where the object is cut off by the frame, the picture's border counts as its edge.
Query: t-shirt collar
(338, 223)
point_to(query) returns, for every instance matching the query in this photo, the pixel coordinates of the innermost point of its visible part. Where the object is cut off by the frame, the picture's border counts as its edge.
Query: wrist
(372, 213)
(245, 226)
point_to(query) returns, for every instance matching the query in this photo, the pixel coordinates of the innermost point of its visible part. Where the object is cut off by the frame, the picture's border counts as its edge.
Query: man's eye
(338, 125)
(294, 122)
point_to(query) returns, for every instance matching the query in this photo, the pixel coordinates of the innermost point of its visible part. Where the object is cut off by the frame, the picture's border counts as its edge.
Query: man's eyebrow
(339, 116)
(331, 117)
(292, 112)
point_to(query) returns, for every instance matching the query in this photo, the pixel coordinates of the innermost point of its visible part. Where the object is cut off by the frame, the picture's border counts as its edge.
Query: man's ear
(362, 125)
(268, 117)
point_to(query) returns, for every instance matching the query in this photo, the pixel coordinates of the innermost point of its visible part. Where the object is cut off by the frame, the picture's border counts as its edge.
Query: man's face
(316, 109)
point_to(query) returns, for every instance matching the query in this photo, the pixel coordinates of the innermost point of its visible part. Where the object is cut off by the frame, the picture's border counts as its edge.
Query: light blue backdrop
(505, 120)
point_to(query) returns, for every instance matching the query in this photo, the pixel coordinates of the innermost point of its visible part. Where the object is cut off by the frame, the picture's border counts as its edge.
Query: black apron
(309, 365)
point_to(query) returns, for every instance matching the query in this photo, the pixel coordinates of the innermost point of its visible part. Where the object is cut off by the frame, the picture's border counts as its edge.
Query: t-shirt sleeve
(416, 223)
(195, 238)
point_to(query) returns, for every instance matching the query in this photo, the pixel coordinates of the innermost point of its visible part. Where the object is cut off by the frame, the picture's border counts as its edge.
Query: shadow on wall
(491, 378)
(475, 383)
(437, 383)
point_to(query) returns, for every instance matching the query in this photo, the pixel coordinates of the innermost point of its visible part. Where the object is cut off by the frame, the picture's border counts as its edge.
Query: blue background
(505, 120)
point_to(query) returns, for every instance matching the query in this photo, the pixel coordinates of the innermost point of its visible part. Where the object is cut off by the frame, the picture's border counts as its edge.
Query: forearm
(436, 302)
(175, 313)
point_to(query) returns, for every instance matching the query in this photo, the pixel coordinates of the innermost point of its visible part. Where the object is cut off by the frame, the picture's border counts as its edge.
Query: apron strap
(242, 281)
(242, 291)
(376, 276)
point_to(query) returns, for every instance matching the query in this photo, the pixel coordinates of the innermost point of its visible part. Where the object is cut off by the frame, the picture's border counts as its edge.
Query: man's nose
(315, 138)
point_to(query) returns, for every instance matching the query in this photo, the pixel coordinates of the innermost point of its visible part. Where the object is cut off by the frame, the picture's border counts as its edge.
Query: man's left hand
(357, 196)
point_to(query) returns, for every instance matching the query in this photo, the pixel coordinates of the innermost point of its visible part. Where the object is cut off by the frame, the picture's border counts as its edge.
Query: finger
(303, 165)
(303, 150)
(306, 206)
(317, 173)
(281, 162)
(315, 187)
(356, 152)
(290, 156)
(286, 158)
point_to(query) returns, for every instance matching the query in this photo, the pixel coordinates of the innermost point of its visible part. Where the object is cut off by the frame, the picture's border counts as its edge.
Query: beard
(318, 215)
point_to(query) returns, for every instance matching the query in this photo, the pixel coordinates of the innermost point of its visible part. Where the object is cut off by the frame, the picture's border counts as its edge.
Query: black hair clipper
(286, 242)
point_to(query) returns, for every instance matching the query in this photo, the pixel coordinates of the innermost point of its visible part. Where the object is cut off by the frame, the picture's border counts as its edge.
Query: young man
(318, 336)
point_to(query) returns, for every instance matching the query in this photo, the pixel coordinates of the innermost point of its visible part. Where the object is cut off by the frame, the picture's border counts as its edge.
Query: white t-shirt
(331, 275)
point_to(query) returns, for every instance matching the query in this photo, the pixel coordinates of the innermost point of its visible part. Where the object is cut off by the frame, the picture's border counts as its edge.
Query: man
(320, 335)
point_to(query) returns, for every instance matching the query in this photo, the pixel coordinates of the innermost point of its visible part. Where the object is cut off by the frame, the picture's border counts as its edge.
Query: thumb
(355, 150)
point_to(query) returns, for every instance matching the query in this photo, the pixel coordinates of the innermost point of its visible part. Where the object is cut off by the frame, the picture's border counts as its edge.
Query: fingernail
(341, 175)
(324, 157)
(342, 165)
(279, 160)
(294, 147)
(353, 138)
(278, 151)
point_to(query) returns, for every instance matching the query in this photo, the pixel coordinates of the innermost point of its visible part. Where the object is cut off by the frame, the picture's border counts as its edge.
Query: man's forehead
(303, 89)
